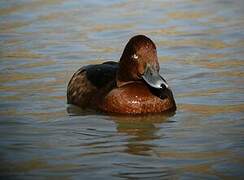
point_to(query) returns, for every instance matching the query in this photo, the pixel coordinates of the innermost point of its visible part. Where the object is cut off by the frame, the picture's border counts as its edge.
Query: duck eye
(134, 56)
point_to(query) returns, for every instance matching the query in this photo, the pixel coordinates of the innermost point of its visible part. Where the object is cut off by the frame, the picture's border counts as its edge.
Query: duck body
(131, 86)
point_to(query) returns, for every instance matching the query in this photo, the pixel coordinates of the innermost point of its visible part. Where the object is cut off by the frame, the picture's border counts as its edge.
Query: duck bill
(152, 77)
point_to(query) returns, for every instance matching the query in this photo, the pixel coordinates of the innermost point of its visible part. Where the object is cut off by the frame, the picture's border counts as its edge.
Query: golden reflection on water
(24, 167)
(209, 92)
(209, 110)
(223, 64)
(21, 53)
(193, 155)
(7, 27)
(106, 27)
(34, 5)
(232, 74)
(213, 44)
(170, 31)
(187, 15)
(38, 64)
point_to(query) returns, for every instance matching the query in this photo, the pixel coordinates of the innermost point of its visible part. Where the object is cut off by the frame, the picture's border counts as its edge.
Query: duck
(131, 86)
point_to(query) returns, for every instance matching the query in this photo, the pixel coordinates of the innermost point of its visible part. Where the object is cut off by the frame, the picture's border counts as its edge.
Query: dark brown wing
(88, 80)
(101, 74)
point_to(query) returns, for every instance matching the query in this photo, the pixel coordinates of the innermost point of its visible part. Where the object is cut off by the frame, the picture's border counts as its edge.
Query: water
(200, 48)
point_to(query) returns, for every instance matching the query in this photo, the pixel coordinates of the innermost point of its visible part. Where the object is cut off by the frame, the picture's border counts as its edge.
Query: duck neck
(122, 80)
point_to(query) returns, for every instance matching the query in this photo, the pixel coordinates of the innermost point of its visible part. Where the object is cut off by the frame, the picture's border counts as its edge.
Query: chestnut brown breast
(136, 98)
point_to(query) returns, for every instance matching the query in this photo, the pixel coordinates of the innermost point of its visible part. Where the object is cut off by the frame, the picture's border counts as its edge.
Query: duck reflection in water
(140, 129)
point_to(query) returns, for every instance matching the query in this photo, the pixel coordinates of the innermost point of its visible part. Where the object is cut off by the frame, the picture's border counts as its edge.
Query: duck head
(139, 62)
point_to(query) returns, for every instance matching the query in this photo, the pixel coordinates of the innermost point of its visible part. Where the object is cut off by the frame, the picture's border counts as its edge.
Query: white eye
(134, 56)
